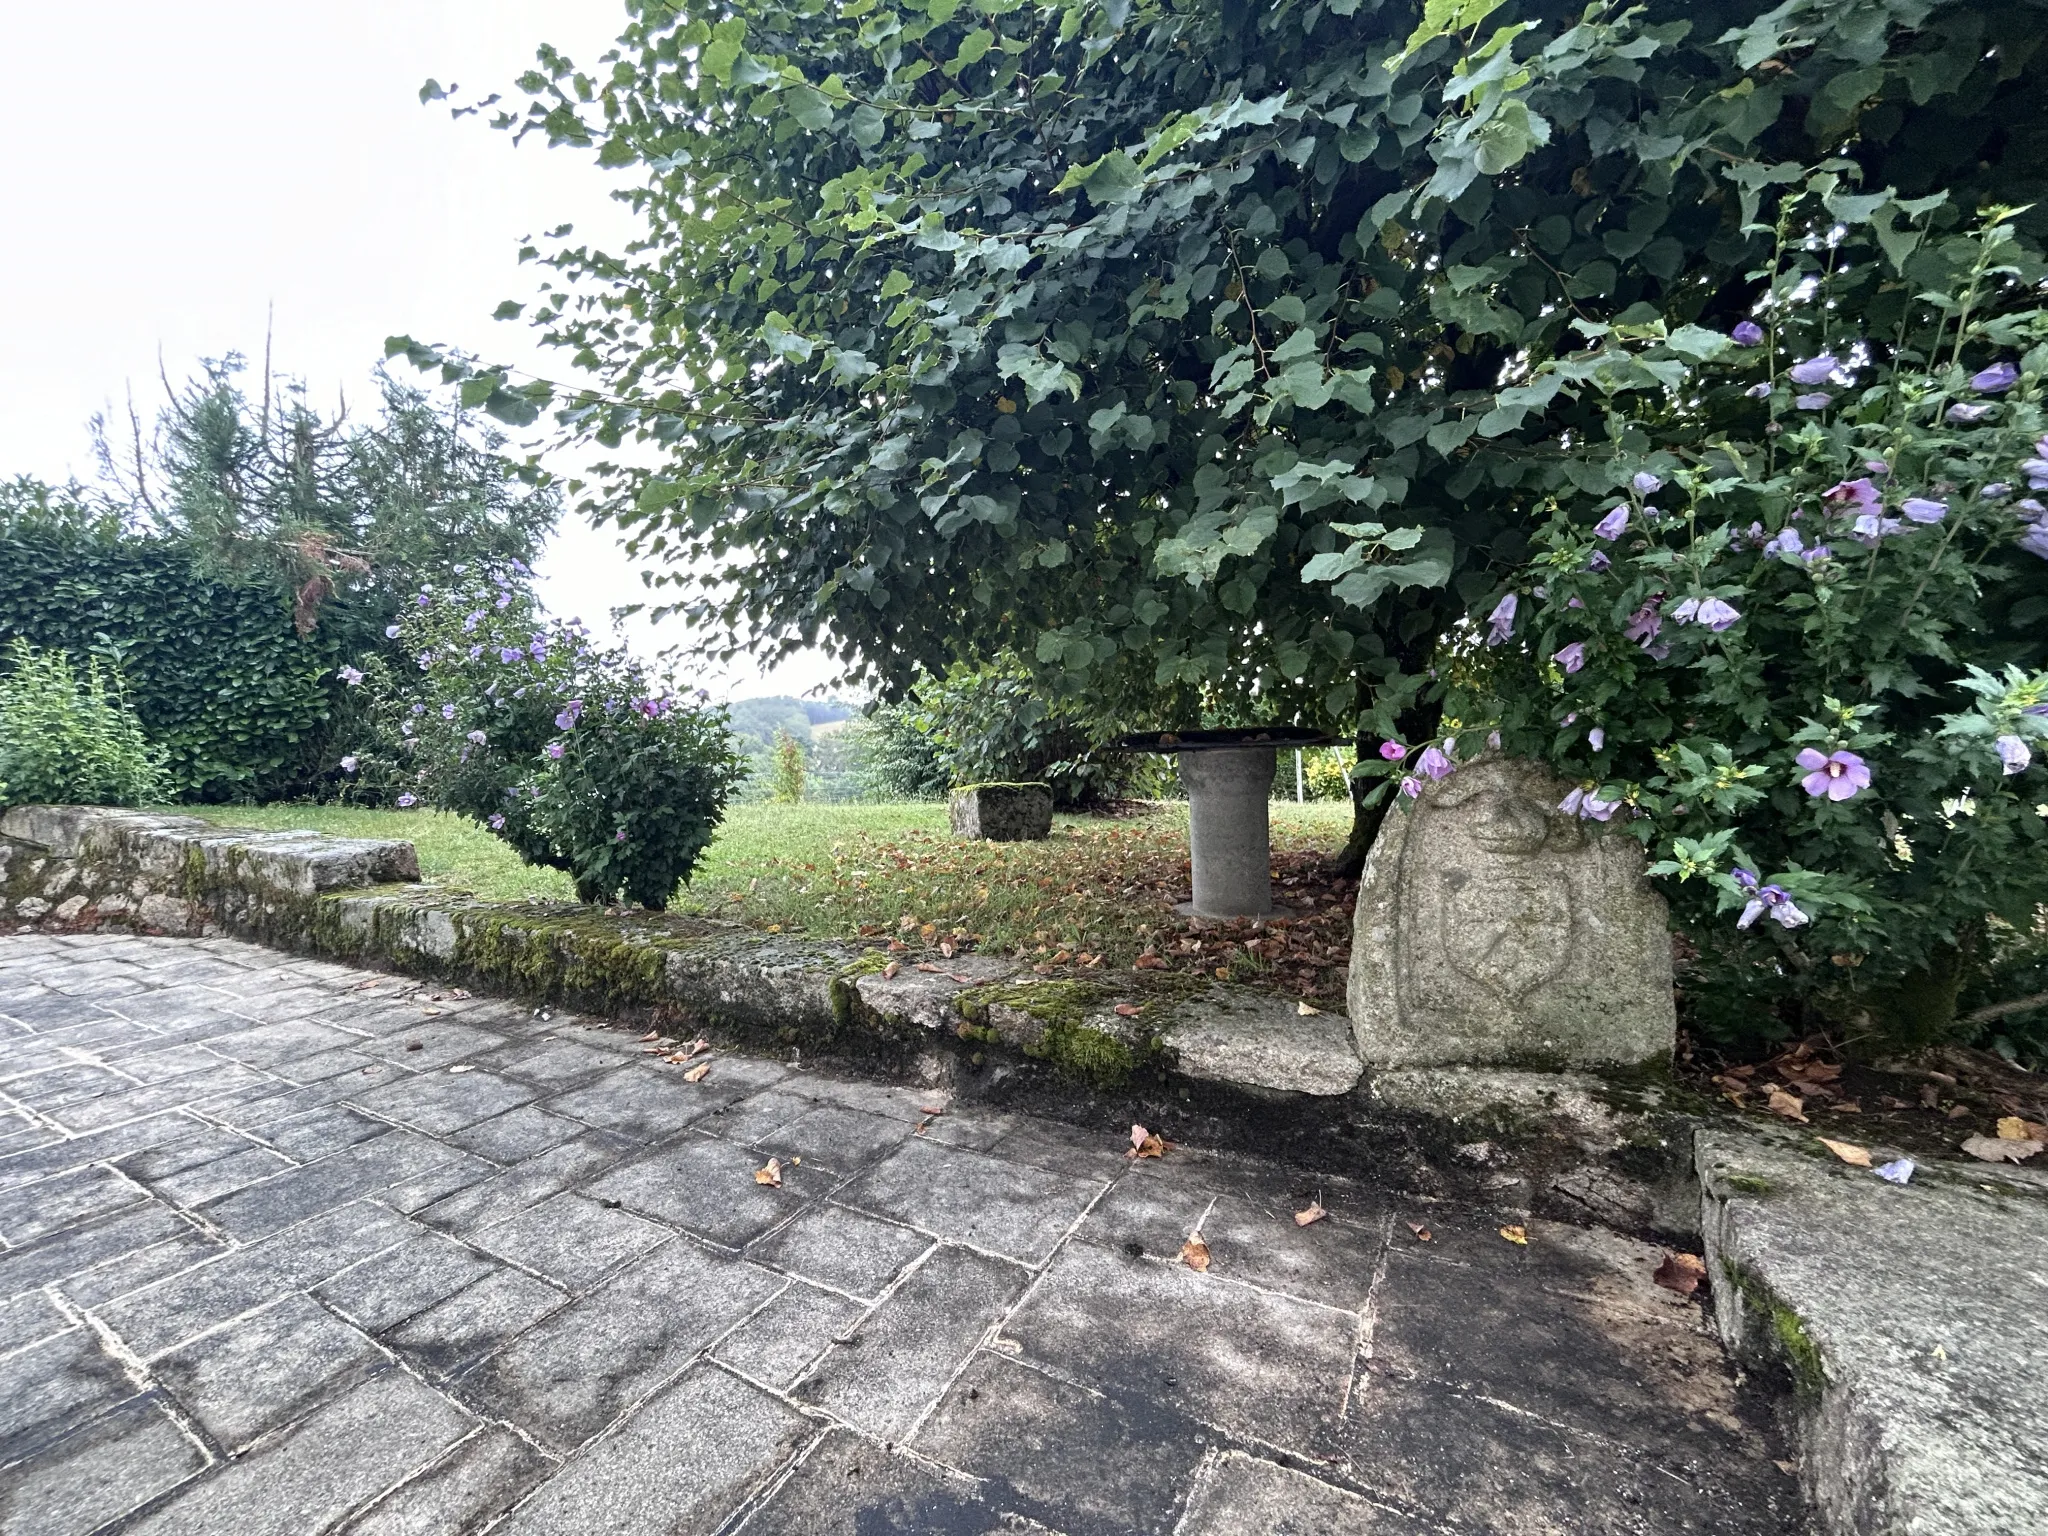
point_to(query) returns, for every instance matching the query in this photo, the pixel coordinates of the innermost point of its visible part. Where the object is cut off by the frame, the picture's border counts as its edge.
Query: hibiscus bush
(578, 756)
(1787, 622)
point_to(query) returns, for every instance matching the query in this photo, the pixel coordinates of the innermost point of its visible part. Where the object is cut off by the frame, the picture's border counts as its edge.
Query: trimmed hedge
(221, 680)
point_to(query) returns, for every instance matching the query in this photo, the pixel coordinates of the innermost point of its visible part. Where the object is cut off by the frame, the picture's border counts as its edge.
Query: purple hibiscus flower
(1837, 775)
(1758, 391)
(1786, 543)
(2014, 754)
(1819, 400)
(1968, 415)
(348, 764)
(447, 711)
(1717, 615)
(1870, 528)
(1746, 878)
(1818, 553)
(571, 712)
(1644, 623)
(406, 802)
(476, 737)
(1861, 493)
(1571, 657)
(1393, 751)
(509, 654)
(1994, 491)
(350, 676)
(1501, 622)
(1411, 787)
(2035, 540)
(1598, 563)
(1995, 380)
(497, 821)
(1777, 901)
(1435, 764)
(1919, 509)
(1612, 526)
(390, 631)
(1814, 370)
(1647, 483)
(554, 751)
(1747, 333)
(1596, 738)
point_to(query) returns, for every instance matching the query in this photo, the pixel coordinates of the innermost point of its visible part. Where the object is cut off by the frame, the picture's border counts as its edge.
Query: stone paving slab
(284, 1275)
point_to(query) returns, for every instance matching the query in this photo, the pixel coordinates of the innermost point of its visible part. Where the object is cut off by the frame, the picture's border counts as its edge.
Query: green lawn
(1094, 896)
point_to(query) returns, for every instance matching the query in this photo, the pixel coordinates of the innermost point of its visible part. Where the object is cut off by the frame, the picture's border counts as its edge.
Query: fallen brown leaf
(2013, 1128)
(948, 948)
(1681, 1272)
(1129, 1010)
(1997, 1149)
(1314, 1213)
(1145, 1144)
(926, 1109)
(1518, 1235)
(889, 971)
(926, 965)
(1223, 973)
(1848, 1152)
(1306, 1010)
(698, 1073)
(1195, 1253)
(1421, 1232)
(771, 1175)
(1787, 1105)
(1148, 963)
(652, 1034)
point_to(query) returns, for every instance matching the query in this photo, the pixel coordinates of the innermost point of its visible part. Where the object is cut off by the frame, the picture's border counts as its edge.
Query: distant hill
(757, 720)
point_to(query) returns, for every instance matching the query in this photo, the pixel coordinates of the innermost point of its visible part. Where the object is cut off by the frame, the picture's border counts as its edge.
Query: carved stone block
(1493, 929)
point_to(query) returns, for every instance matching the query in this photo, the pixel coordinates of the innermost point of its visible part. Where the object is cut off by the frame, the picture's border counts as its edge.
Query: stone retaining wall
(1247, 1061)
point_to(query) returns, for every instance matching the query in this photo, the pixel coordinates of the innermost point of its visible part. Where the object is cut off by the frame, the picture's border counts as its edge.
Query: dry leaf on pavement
(1304, 1009)
(1195, 1253)
(1995, 1149)
(1128, 1010)
(772, 1174)
(1421, 1232)
(698, 1073)
(652, 1034)
(1848, 1152)
(2013, 1128)
(1145, 1144)
(1787, 1104)
(1681, 1272)
(1148, 963)
(1315, 1212)
(463, 1066)
(1518, 1235)
(889, 971)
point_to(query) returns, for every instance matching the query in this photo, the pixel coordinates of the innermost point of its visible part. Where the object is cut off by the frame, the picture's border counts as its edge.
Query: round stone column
(1229, 839)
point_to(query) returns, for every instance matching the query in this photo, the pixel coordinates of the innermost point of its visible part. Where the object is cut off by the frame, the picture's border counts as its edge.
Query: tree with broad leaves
(1209, 356)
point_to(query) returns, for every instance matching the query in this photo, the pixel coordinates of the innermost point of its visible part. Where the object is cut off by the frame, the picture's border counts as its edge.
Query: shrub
(66, 740)
(576, 756)
(1799, 654)
(786, 782)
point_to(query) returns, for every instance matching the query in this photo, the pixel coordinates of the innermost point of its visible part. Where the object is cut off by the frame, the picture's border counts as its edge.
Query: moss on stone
(1789, 1339)
(1747, 1183)
(1053, 1004)
(1088, 1055)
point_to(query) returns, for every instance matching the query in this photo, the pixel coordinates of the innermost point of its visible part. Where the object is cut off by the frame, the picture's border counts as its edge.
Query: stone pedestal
(1491, 929)
(1229, 838)
(1002, 813)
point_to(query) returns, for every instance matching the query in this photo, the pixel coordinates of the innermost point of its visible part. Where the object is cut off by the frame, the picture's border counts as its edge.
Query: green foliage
(786, 780)
(1803, 655)
(67, 740)
(1188, 351)
(990, 725)
(576, 757)
(211, 664)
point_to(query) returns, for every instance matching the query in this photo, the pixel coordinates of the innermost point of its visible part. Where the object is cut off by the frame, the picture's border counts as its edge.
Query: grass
(1096, 896)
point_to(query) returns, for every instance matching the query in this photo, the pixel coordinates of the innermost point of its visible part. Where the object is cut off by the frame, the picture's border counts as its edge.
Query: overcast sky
(173, 173)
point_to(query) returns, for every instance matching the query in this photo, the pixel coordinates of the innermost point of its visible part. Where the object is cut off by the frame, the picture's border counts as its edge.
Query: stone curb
(1570, 1145)
(1910, 1320)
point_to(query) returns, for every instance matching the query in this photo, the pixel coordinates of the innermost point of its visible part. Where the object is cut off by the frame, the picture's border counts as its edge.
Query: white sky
(172, 172)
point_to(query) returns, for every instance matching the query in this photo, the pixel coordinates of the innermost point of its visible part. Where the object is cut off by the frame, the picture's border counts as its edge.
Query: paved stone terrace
(291, 1248)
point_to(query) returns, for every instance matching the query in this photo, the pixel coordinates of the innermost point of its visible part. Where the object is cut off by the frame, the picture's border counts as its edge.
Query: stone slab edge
(1910, 1319)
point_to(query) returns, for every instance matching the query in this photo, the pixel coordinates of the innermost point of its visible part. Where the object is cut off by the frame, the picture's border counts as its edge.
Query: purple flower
(426, 661)
(1501, 623)
(1818, 553)
(1898, 1171)
(2035, 540)
(1644, 623)
(1814, 370)
(1393, 751)
(1411, 787)
(1786, 543)
(447, 711)
(1877, 467)
(473, 620)
(1570, 803)
(423, 600)
(504, 600)
(1968, 415)
(554, 751)
(509, 654)
(1919, 509)
(1596, 738)
(1861, 493)
(1746, 878)
(1819, 400)
(619, 836)
(570, 714)
(1747, 333)
(1838, 776)
(390, 631)
(1571, 657)
(1597, 809)
(1598, 563)
(497, 821)
(1777, 901)
(1758, 391)
(1995, 380)
(1435, 764)
(475, 651)
(348, 764)
(2014, 754)
(1717, 615)
(2031, 507)
(1994, 490)
(1686, 611)
(1612, 526)
(350, 676)
(419, 709)
(406, 802)
(1870, 528)
(1647, 483)
(477, 737)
